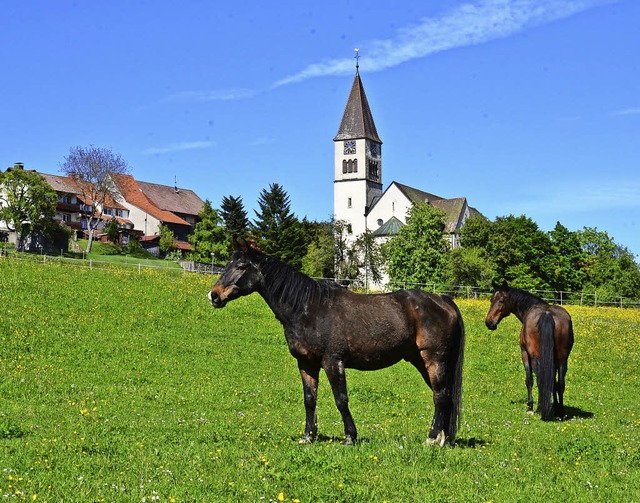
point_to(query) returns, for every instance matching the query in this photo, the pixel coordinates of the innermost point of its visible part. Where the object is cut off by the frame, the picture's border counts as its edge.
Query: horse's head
(239, 277)
(500, 306)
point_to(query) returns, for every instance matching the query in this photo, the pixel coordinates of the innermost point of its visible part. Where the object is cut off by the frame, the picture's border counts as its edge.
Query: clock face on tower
(349, 147)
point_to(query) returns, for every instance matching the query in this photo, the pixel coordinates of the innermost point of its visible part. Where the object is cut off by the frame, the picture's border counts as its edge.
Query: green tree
(610, 269)
(471, 267)
(209, 237)
(234, 217)
(568, 259)
(319, 260)
(521, 252)
(111, 229)
(92, 170)
(370, 259)
(167, 238)
(418, 253)
(27, 202)
(277, 230)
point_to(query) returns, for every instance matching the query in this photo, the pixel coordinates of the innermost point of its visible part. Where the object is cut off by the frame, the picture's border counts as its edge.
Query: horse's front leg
(309, 374)
(338, 380)
(526, 361)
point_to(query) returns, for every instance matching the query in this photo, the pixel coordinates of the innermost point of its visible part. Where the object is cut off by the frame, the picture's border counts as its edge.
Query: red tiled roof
(133, 193)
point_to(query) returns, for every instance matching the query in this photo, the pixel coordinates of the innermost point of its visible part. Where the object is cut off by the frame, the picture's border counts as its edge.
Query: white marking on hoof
(439, 440)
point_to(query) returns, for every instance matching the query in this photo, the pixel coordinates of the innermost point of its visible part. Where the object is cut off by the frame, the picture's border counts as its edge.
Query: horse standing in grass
(546, 340)
(327, 326)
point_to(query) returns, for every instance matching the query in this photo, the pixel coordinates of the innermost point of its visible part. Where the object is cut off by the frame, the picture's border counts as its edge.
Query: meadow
(125, 385)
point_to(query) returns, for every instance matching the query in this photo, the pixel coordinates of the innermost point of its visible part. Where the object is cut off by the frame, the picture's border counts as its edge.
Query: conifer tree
(234, 217)
(277, 230)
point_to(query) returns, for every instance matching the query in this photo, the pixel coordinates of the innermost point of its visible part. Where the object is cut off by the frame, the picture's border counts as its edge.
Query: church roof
(390, 228)
(357, 120)
(416, 195)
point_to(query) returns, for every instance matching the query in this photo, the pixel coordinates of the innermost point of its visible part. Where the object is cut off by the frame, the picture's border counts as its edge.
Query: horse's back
(562, 326)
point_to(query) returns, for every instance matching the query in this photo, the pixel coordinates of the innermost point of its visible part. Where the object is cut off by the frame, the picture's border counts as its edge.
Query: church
(358, 195)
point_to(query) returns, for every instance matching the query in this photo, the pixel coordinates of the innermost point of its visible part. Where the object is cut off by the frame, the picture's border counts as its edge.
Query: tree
(209, 237)
(610, 269)
(27, 202)
(277, 229)
(167, 238)
(471, 267)
(371, 259)
(418, 253)
(319, 262)
(234, 217)
(92, 170)
(568, 259)
(111, 229)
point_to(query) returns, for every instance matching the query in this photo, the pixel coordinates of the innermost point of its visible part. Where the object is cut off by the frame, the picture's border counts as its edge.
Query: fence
(458, 291)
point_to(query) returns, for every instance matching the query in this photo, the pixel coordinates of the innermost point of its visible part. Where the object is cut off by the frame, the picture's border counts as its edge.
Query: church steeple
(357, 161)
(357, 121)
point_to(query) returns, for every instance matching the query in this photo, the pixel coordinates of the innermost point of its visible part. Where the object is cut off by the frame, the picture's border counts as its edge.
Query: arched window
(344, 166)
(355, 165)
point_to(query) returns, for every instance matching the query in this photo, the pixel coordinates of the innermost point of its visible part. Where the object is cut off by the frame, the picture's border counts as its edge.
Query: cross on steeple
(357, 56)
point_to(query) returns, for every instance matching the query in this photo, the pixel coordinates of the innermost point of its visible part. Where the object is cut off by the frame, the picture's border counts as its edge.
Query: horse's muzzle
(215, 299)
(491, 325)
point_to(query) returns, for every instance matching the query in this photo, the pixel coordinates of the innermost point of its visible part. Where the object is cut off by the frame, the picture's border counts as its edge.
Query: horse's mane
(288, 286)
(524, 298)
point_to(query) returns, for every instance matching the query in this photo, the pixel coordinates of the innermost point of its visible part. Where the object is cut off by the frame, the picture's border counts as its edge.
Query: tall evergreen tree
(277, 230)
(234, 217)
(209, 237)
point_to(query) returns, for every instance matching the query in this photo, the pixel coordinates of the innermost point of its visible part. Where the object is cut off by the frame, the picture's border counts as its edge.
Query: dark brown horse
(546, 340)
(327, 326)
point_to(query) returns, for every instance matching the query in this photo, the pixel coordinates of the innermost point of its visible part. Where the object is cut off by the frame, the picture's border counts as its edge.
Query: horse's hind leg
(559, 390)
(337, 379)
(309, 374)
(528, 380)
(433, 374)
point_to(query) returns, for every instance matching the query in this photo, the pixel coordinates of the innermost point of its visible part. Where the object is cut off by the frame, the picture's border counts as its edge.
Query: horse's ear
(500, 286)
(240, 244)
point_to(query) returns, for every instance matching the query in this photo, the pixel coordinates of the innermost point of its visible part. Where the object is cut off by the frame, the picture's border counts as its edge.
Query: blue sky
(522, 106)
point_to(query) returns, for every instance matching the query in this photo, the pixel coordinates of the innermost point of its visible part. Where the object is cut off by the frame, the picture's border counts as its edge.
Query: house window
(107, 211)
(118, 213)
(66, 217)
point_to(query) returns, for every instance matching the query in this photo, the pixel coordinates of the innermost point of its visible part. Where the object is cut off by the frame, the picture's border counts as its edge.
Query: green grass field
(117, 385)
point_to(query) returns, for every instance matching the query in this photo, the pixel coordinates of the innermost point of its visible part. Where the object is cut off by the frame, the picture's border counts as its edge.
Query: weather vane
(357, 56)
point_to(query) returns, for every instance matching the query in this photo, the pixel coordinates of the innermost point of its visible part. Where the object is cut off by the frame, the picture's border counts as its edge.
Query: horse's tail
(546, 365)
(455, 417)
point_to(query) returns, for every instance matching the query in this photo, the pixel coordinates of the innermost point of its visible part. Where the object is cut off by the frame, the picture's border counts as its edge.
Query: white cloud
(628, 111)
(178, 147)
(471, 23)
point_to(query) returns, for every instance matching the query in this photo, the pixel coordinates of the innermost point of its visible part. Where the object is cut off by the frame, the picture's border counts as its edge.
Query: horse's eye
(242, 265)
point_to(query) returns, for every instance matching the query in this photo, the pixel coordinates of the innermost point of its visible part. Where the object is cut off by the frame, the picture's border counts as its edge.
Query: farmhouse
(139, 208)
(358, 196)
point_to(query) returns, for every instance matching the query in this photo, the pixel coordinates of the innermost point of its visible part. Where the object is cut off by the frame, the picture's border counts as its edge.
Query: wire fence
(458, 291)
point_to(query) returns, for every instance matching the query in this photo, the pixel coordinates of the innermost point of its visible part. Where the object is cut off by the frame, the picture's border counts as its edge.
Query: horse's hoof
(349, 440)
(307, 439)
(439, 440)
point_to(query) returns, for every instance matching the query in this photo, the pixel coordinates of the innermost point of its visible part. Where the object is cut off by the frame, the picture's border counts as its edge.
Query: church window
(349, 166)
(349, 202)
(380, 222)
(344, 166)
(355, 165)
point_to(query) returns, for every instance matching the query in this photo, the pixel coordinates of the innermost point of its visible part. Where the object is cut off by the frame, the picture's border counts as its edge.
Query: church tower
(357, 180)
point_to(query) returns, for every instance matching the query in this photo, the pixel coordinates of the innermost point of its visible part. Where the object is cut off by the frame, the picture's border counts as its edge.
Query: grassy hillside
(117, 385)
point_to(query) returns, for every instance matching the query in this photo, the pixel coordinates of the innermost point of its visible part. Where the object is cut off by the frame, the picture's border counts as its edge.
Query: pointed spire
(357, 120)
